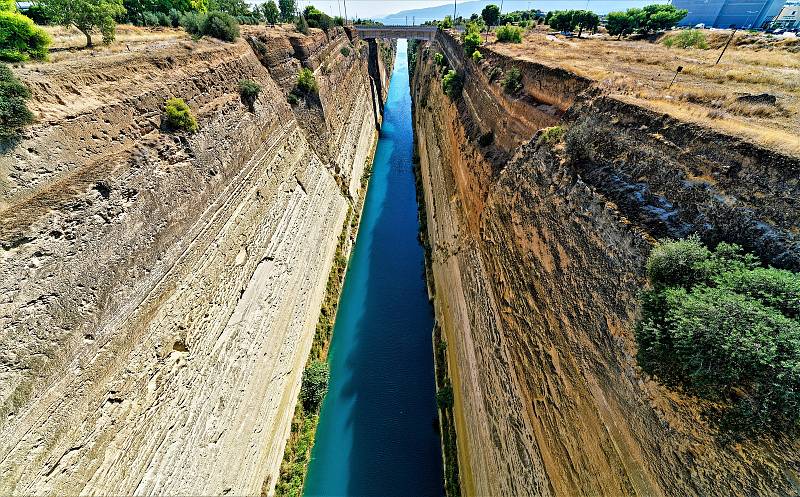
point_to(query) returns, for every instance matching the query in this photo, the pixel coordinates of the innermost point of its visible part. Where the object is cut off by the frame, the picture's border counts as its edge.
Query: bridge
(409, 32)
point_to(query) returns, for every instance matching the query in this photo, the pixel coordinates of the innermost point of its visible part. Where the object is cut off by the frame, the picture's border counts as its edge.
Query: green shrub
(444, 396)
(315, 385)
(552, 134)
(301, 25)
(438, 57)
(471, 38)
(477, 56)
(345, 51)
(726, 329)
(248, 91)
(512, 82)
(21, 39)
(174, 18)
(451, 84)
(318, 19)
(509, 34)
(164, 20)
(14, 113)
(178, 116)
(292, 99)
(221, 26)
(149, 19)
(446, 23)
(306, 82)
(192, 22)
(689, 38)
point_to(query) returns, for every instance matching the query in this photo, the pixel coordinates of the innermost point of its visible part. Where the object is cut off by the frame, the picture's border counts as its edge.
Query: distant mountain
(466, 9)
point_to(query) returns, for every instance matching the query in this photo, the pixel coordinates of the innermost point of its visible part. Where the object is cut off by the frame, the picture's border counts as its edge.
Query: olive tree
(86, 15)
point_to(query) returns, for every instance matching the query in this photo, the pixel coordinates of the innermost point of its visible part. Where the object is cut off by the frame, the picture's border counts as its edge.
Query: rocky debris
(161, 291)
(762, 98)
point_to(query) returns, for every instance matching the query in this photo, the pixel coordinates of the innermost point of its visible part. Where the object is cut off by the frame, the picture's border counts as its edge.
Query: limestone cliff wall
(160, 291)
(538, 255)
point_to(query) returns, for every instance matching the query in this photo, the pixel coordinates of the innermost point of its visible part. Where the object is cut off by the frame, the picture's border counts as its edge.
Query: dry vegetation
(71, 38)
(641, 71)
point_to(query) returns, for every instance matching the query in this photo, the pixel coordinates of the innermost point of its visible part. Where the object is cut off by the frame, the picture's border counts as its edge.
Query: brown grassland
(705, 93)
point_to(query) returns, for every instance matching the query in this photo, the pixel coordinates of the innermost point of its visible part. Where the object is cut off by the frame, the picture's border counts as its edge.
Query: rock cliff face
(538, 250)
(160, 291)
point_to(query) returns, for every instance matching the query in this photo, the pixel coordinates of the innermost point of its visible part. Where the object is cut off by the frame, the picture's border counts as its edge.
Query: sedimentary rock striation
(160, 291)
(537, 253)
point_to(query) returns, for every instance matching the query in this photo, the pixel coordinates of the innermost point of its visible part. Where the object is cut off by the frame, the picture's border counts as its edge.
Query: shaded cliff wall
(160, 291)
(538, 255)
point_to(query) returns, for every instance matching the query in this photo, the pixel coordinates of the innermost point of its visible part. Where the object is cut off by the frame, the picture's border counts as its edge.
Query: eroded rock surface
(160, 291)
(538, 253)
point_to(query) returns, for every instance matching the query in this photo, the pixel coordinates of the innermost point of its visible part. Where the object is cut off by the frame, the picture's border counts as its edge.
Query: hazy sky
(371, 8)
(374, 9)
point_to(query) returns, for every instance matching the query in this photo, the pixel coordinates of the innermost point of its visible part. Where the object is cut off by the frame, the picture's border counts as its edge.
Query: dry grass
(641, 71)
(72, 38)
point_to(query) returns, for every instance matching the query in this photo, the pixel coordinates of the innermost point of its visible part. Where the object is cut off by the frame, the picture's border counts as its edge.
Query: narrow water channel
(376, 434)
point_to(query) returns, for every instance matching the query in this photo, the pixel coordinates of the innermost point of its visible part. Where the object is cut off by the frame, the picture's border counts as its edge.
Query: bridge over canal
(408, 32)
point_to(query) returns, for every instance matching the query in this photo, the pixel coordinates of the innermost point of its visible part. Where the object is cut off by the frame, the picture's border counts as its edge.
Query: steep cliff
(538, 247)
(160, 291)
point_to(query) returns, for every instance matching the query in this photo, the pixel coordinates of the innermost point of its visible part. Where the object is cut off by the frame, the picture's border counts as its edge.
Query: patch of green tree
(287, 8)
(86, 15)
(318, 19)
(570, 20)
(20, 38)
(725, 328)
(491, 15)
(651, 18)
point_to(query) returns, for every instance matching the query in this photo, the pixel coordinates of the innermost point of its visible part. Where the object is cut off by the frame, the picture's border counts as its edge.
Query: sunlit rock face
(160, 290)
(538, 250)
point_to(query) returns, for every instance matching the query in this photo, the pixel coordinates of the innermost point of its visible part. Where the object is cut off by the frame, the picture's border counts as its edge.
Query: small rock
(763, 98)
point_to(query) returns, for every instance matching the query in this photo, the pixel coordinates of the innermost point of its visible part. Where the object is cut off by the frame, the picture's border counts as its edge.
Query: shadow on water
(377, 433)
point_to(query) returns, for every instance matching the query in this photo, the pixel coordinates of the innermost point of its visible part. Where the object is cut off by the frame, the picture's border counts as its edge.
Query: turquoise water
(376, 435)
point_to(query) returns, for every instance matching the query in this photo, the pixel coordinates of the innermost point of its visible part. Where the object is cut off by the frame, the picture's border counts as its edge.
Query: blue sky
(375, 9)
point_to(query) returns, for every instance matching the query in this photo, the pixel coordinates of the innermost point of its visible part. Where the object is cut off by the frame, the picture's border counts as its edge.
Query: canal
(376, 435)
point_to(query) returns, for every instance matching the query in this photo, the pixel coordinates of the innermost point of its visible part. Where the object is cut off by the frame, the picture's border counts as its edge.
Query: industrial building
(788, 17)
(726, 13)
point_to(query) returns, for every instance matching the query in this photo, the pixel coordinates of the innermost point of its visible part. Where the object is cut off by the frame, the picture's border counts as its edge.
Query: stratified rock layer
(160, 291)
(538, 256)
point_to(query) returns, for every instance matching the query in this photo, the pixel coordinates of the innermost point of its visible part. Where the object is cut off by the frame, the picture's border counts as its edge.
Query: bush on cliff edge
(725, 328)
(178, 116)
(21, 39)
(14, 113)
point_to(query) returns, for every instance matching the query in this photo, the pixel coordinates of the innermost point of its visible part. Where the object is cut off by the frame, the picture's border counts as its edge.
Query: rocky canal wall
(538, 241)
(160, 290)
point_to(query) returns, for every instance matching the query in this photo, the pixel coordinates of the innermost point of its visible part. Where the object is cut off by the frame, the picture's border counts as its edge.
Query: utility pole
(413, 20)
(726, 46)
(455, 3)
(345, 11)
